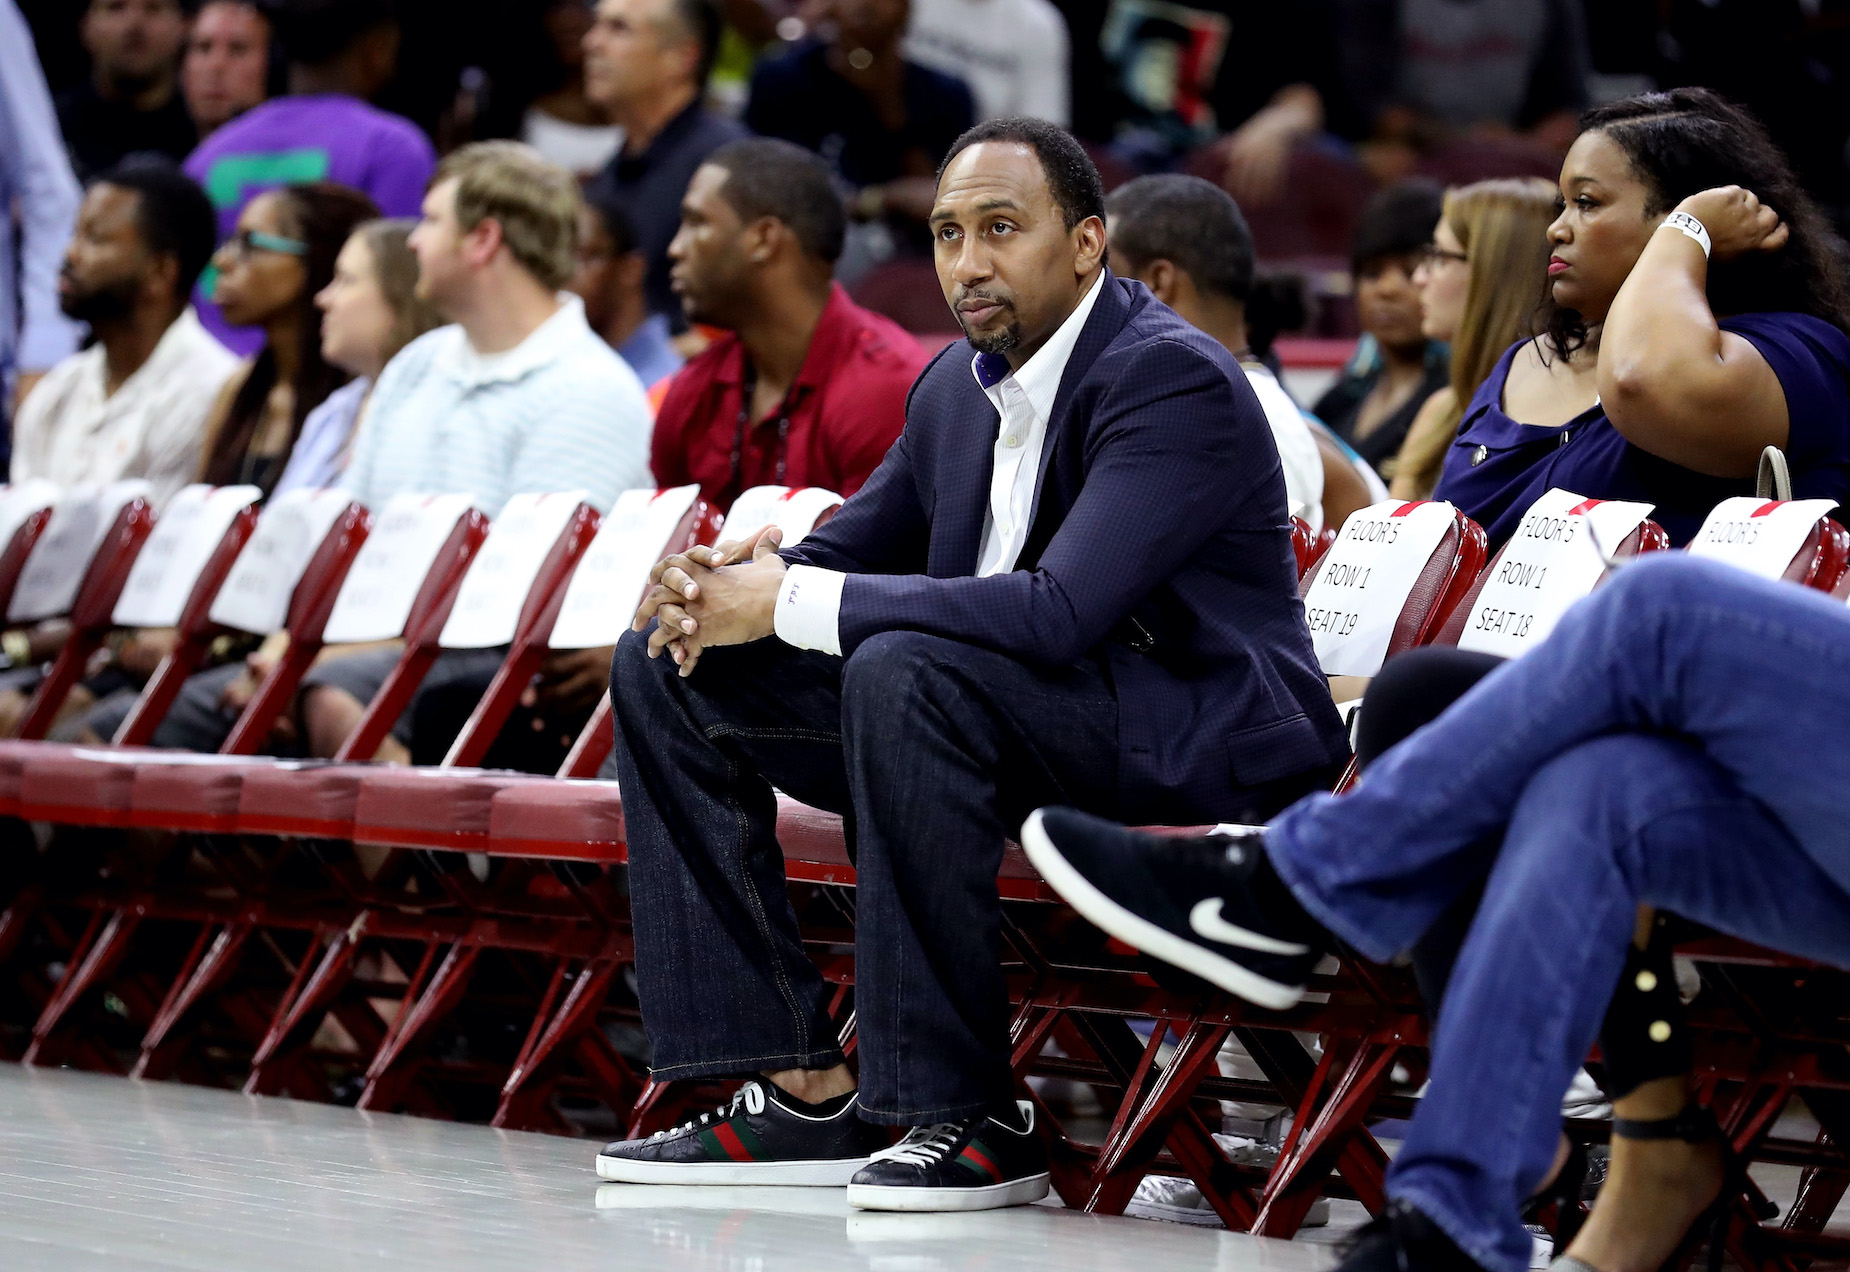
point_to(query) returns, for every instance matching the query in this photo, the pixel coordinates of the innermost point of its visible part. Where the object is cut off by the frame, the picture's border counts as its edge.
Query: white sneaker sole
(808, 1174)
(1015, 1192)
(1137, 931)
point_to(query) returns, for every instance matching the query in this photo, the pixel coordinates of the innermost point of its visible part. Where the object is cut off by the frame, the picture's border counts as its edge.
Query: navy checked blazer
(1160, 541)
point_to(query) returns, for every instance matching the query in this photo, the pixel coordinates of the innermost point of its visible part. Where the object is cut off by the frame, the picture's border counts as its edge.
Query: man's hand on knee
(713, 596)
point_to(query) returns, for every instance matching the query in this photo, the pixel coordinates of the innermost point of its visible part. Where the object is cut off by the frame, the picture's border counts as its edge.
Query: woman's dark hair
(322, 215)
(1691, 139)
(1275, 305)
(1396, 221)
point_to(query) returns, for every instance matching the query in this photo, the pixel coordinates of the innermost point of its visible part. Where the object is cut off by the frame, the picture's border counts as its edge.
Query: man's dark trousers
(935, 751)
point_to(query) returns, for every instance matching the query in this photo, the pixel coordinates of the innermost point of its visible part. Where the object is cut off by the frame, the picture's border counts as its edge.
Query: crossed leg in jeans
(1678, 743)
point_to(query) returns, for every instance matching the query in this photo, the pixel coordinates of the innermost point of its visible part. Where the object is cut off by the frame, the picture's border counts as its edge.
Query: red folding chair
(295, 557)
(25, 510)
(562, 818)
(582, 599)
(1792, 539)
(77, 569)
(1560, 524)
(393, 810)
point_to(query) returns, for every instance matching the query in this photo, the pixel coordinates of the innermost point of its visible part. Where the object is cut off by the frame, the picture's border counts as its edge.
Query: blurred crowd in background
(1300, 109)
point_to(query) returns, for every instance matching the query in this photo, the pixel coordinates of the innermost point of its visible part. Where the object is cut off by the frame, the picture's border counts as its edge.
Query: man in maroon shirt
(822, 383)
(807, 388)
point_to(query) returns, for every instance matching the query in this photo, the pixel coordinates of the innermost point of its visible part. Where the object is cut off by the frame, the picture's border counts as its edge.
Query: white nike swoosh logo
(1206, 920)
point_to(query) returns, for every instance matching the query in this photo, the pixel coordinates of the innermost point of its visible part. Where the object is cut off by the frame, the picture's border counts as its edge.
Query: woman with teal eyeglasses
(269, 270)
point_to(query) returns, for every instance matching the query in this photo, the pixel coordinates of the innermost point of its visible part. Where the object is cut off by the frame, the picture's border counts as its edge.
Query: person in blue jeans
(1676, 743)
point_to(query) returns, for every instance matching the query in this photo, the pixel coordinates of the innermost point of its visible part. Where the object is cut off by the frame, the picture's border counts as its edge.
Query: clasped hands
(724, 595)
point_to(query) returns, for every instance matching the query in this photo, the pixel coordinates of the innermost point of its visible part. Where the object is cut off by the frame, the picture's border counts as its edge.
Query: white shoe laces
(923, 1145)
(751, 1096)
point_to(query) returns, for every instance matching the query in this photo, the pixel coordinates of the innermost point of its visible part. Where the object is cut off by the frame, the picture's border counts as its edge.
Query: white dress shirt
(809, 605)
(1297, 445)
(72, 430)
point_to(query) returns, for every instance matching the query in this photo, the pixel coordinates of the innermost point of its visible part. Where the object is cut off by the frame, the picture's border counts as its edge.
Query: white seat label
(792, 511)
(488, 604)
(608, 584)
(1758, 535)
(1554, 559)
(380, 589)
(20, 501)
(257, 592)
(1365, 580)
(190, 529)
(54, 573)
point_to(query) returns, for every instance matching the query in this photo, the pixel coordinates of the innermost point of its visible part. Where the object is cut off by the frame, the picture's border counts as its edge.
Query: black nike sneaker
(1209, 904)
(982, 1163)
(762, 1137)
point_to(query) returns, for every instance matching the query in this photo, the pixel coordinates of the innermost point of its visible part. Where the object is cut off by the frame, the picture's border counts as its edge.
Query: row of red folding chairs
(430, 570)
(1069, 986)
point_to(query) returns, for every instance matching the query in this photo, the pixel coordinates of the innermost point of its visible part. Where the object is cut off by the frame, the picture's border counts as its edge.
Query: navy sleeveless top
(1497, 467)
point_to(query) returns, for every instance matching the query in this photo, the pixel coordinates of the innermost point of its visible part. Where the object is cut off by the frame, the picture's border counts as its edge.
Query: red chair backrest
(309, 606)
(1303, 545)
(1649, 537)
(429, 612)
(83, 542)
(1441, 584)
(700, 524)
(196, 631)
(1325, 542)
(528, 651)
(18, 548)
(90, 614)
(1754, 534)
(798, 510)
(1824, 561)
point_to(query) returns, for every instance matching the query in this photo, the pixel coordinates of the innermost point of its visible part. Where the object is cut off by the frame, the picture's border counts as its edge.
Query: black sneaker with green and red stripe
(979, 1164)
(764, 1136)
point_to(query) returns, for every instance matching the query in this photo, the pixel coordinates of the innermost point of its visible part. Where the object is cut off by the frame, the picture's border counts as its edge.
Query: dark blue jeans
(935, 752)
(1680, 742)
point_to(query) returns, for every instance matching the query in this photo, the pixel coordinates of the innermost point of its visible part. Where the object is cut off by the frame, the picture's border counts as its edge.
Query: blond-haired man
(517, 396)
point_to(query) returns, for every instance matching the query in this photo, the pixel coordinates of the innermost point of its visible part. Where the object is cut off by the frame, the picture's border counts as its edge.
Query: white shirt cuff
(808, 609)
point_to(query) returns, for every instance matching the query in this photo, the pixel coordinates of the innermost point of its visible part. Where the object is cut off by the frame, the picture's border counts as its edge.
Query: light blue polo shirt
(559, 411)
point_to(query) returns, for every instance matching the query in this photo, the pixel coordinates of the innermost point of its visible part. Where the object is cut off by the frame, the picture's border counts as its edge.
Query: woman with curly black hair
(1701, 317)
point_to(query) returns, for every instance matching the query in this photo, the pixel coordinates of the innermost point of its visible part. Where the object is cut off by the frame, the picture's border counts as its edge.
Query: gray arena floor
(101, 1172)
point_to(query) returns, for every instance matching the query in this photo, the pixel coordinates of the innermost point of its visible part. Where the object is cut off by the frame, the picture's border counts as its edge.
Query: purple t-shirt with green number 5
(315, 137)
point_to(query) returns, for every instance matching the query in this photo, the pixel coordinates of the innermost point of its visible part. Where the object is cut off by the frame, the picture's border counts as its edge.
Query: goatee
(998, 342)
(107, 303)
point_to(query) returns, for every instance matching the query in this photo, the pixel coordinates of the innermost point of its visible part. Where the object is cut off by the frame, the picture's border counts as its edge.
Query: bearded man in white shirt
(135, 403)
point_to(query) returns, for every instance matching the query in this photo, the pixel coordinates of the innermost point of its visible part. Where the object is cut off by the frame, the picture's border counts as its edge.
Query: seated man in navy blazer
(1070, 581)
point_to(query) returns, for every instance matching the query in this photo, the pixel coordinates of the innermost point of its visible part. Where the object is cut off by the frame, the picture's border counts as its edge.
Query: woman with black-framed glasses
(269, 270)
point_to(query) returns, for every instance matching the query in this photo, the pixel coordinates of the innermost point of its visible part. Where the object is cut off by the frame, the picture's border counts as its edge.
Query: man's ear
(1088, 245)
(162, 279)
(480, 244)
(763, 238)
(1160, 276)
